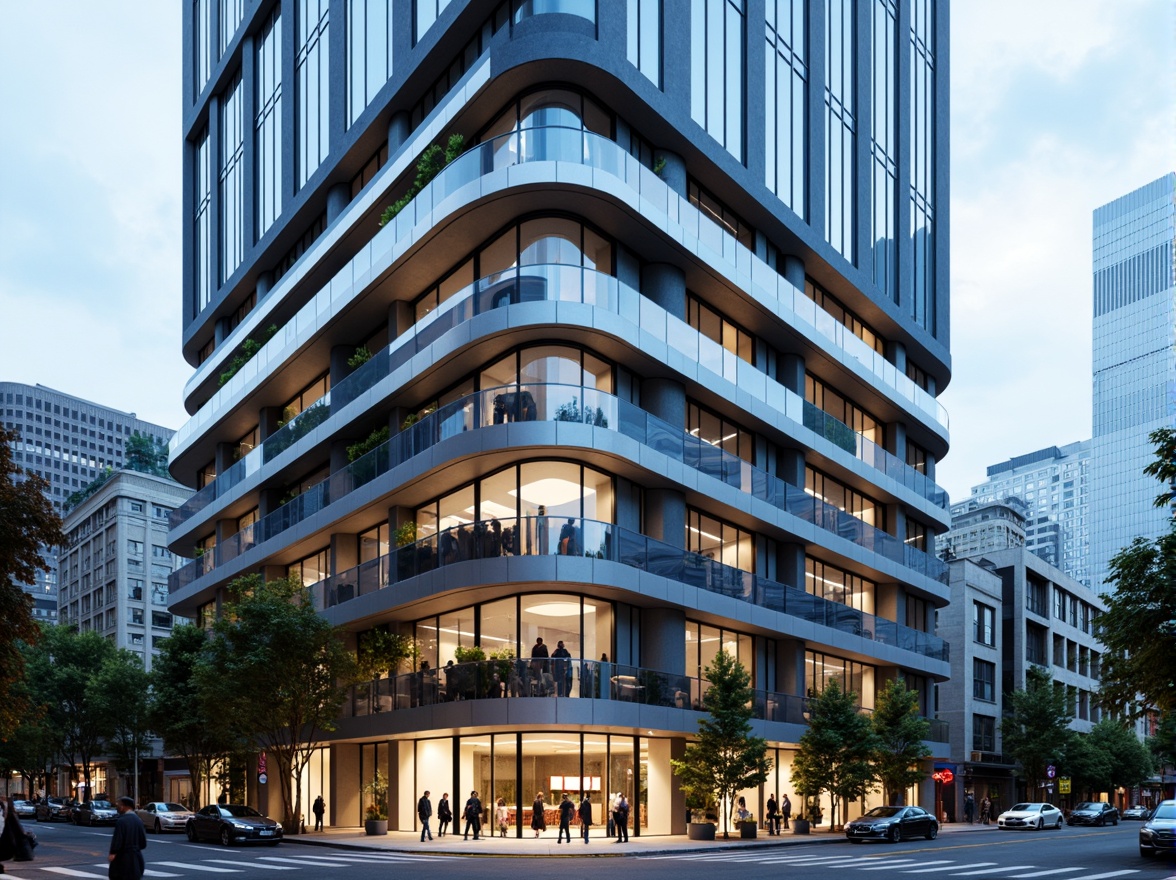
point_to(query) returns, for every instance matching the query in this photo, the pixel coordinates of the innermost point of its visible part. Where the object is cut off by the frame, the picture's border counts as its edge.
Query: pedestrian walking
(585, 813)
(985, 810)
(425, 813)
(969, 808)
(502, 817)
(621, 818)
(319, 808)
(473, 816)
(127, 843)
(772, 811)
(785, 810)
(566, 810)
(444, 815)
(538, 819)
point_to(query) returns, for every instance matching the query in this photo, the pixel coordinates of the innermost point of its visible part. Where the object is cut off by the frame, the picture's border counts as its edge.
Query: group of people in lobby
(476, 814)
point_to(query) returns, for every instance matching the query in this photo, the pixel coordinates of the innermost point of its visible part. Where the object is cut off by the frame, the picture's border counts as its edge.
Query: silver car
(1032, 816)
(160, 816)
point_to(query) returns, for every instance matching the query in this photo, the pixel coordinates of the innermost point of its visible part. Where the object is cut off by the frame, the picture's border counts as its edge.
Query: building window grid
(232, 13)
(840, 127)
(268, 123)
(232, 179)
(785, 103)
(983, 733)
(921, 294)
(202, 223)
(884, 148)
(201, 45)
(717, 70)
(984, 624)
(425, 14)
(369, 26)
(643, 38)
(312, 69)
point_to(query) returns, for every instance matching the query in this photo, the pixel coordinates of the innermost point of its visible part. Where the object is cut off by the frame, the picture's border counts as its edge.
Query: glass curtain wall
(643, 33)
(268, 123)
(311, 72)
(785, 102)
(369, 52)
(922, 158)
(232, 179)
(840, 127)
(884, 147)
(716, 70)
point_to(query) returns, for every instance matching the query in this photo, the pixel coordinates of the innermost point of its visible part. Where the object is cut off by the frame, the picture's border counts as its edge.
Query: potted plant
(746, 825)
(704, 815)
(376, 813)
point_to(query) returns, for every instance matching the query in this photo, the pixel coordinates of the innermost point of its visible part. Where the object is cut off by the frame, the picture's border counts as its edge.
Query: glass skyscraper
(1134, 365)
(593, 325)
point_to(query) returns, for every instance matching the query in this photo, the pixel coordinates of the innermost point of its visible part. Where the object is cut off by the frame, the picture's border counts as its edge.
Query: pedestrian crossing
(896, 864)
(215, 867)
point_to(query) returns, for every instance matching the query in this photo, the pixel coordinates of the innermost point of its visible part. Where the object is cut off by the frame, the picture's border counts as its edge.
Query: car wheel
(1115, 822)
(1040, 824)
(158, 827)
(273, 843)
(854, 840)
(932, 831)
(1147, 853)
(1059, 825)
(226, 838)
(893, 834)
(190, 830)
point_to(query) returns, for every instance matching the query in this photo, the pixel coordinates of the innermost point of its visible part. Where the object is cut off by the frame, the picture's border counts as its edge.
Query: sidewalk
(545, 847)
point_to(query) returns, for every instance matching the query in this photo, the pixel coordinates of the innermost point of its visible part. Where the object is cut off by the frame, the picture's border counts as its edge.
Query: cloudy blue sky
(1058, 106)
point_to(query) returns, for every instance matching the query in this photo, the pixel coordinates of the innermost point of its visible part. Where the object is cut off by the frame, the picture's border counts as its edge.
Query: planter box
(700, 831)
(800, 826)
(375, 826)
(747, 830)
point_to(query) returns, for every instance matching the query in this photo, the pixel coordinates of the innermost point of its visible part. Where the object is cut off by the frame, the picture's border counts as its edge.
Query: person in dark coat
(561, 668)
(318, 809)
(785, 810)
(425, 813)
(15, 843)
(444, 814)
(585, 813)
(127, 843)
(566, 810)
(473, 816)
(538, 820)
(772, 811)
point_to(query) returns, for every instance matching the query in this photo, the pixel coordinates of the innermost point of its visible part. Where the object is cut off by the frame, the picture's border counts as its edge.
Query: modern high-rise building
(577, 340)
(1053, 484)
(69, 442)
(1134, 365)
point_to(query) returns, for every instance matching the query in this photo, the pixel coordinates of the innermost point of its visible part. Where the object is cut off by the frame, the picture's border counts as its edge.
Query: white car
(1036, 816)
(160, 816)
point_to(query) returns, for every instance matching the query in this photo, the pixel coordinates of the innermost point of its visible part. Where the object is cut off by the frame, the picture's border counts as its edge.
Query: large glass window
(716, 70)
(983, 624)
(983, 733)
(984, 680)
(268, 123)
(232, 12)
(845, 498)
(719, 540)
(369, 52)
(311, 70)
(884, 147)
(232, 179)
(841, 408)
(714, 325)
(523, 9)
(840, 127)
(202, 222)
(311, 569)
(426, 13)
(921, 286)
(719, 432)
(201, 45)
(644, 38)
(703, 643)
(844, 316)
(785, 92)
(836, 585)
(821, 669)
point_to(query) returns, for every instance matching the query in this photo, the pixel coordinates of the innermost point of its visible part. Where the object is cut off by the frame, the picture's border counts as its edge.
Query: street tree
(122, 688)
(1139, 626)
(1087, 765)
(1036, 728)
(281, 670)
(834, 754)
(27, 522)
(1162, 744)
(725, 758)
(179, 715)
(1130, 761)
(901, 734)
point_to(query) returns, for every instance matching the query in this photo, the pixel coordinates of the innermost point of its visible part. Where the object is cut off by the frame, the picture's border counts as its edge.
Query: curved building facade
(614, 324)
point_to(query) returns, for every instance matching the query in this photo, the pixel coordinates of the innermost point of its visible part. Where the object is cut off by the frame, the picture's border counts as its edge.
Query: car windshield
(882, 812)
(1165, 811)
(1087, 806)
(1025, 808)
(101, 805)
(172, 808)
(240, 811)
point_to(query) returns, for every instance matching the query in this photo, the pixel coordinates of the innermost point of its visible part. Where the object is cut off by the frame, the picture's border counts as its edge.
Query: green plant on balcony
(251, 346)
(361, 357)
(406, 534)
(380, 652)
(429, 164)
(659, 165)
(358, 450)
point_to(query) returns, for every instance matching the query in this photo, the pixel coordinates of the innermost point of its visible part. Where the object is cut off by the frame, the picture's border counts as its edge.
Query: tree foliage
(1162, 744)
(279, 669)
(1164, 466)
(726, 757)
(122, 688)
(1036, 728)
(147, 455)
(835, 753)
(27, 521)
(900, 746)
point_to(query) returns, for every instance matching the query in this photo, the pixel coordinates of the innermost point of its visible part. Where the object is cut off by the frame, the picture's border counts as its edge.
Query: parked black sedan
(54, 809)
(892, 824)
(233, 823)
(94, 813)
(1093, 813)
(1158, 834)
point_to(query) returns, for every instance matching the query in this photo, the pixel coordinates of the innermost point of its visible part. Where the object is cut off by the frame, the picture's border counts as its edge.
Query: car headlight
(240, 826)
(278, 826)
(1145, 832)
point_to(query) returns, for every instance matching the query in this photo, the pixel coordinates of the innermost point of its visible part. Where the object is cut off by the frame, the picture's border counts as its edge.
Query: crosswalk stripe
(252, 865)
(1045, 873)
(951, 866)
(150, 873)
(889, 864)
(1108, 874)
(70, 872)
(196, 866)
(317, 861)
(944, 865)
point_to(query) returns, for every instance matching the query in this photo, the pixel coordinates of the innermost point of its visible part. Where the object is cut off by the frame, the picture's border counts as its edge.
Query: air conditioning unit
(977, 757)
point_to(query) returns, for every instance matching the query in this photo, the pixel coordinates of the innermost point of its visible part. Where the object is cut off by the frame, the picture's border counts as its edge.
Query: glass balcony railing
(555, 283)
(541, 536)
(575, 678)
(462, 180)
(562, 403)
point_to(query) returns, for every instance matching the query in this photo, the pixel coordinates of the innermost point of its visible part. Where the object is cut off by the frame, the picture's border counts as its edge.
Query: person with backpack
(473, 816)
(566, 811)
(621, 818)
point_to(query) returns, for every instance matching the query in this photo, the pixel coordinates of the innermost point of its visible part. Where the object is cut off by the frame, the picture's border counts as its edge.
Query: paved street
(976, 852)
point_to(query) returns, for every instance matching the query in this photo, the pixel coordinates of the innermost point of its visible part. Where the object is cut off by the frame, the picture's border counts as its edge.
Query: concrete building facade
(645, 366)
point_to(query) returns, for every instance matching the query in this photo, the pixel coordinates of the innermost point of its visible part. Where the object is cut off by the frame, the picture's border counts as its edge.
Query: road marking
(986, 871)
(251, 865)
(890, 863)
(196, 866)
(951, 866)
(1108, 874)
(943, 866)
(149, 873)
(1045, 873)
(70, 872)
(317, 861)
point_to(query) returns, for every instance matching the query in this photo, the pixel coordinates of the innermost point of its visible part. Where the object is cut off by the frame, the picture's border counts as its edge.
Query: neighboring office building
(113, 572)
(1010, 609)
(977, 527)
(69, 442)
(625, 413)
(1053, 484)
(1133, 363)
